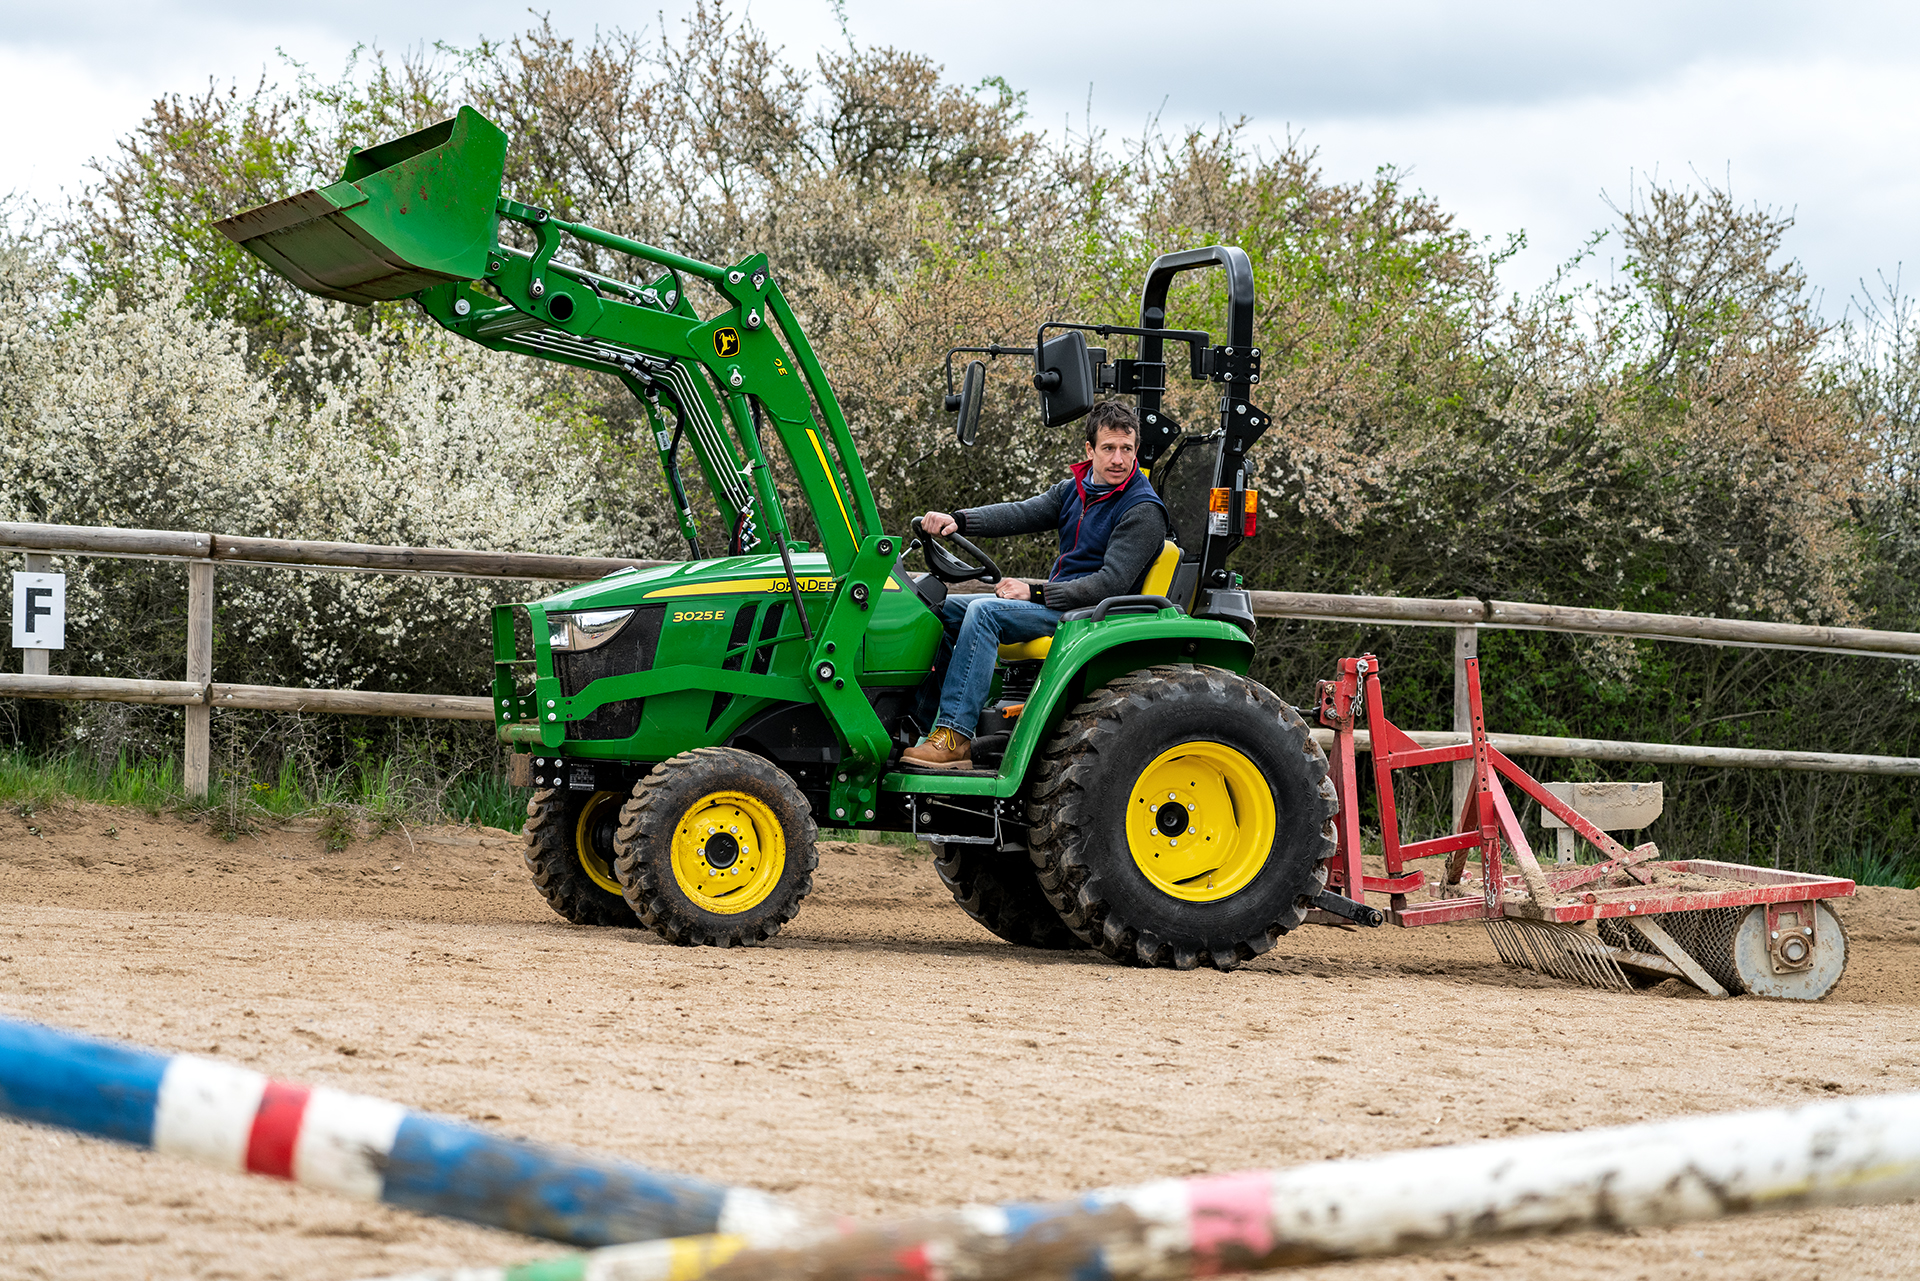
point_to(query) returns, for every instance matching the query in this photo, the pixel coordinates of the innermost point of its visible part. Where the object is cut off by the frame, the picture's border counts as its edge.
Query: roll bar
(1153, 298)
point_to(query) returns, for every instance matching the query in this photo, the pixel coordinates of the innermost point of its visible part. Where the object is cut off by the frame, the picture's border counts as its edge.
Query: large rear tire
(570, 852)
(716, 848)
(1002, 893)
(1183, 817)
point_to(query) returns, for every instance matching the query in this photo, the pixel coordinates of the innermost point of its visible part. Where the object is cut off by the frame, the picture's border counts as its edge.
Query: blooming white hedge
(148, 416)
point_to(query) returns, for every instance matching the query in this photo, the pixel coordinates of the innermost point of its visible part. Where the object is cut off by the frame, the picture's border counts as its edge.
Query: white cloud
(60, 112)
(1831, 142)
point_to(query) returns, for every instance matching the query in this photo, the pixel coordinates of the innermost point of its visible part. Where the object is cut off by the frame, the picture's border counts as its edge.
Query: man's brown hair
(1114, 415)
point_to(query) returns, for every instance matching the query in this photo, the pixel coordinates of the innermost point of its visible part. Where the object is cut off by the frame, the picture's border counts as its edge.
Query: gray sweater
(1135, 541)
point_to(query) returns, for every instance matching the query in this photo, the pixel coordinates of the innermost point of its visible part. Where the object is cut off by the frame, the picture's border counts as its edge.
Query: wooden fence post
(1466, 644)
(199, 744)
(35, 662)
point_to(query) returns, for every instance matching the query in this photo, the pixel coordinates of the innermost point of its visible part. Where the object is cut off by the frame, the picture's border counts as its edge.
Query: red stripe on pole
(276, 1127)
(913, 1264)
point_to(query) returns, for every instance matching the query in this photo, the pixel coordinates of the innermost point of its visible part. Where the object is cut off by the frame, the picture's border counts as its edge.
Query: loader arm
(422, 217)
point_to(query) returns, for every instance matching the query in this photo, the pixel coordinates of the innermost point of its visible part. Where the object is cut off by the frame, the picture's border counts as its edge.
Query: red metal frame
(1487, 823)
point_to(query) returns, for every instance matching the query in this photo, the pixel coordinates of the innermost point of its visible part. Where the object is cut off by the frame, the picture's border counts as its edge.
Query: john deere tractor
(690, 727)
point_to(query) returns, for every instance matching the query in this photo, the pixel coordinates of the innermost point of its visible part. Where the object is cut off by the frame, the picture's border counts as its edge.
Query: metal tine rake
(1561, 951)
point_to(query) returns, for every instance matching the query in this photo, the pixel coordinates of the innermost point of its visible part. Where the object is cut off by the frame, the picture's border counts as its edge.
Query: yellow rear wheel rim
(595, 864)
(729, 851)
(1200, 821)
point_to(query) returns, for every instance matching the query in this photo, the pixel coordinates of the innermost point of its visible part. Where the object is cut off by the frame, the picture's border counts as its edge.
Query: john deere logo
(726, 342)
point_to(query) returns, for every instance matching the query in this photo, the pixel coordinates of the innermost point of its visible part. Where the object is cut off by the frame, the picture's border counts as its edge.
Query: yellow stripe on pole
(694, 1257)
(827, 467)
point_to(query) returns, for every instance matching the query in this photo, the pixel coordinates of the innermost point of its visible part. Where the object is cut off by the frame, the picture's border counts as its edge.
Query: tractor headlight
(585, 630)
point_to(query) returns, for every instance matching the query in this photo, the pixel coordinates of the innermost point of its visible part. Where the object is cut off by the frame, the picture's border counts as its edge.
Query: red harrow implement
(1629, 919)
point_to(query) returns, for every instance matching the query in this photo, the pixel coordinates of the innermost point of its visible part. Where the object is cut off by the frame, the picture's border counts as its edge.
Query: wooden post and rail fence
(203, 553)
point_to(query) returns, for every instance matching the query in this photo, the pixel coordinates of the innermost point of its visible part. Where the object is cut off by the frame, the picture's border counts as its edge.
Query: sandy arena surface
(882, 1056)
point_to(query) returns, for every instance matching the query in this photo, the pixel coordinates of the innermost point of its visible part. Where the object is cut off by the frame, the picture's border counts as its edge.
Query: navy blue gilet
(1087, 523)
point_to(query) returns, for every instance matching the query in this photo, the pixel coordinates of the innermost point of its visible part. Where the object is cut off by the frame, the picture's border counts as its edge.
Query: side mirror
(1063, 374)
(973, 390)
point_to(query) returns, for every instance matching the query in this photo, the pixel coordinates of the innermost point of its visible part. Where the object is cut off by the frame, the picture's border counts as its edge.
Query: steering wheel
(948, 568)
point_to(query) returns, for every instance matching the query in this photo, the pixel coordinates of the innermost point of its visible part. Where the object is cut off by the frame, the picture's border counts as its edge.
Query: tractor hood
(645, 663)
(729, 576)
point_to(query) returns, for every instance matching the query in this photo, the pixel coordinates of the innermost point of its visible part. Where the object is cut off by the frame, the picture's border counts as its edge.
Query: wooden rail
(351, 702)
(1518, 615)
(199, 694)
(1602, 749)
(274, 698)
(226, 549)
(102, 689)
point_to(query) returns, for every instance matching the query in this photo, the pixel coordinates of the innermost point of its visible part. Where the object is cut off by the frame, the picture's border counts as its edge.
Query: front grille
(769, 628)
(736, 641)
(631, 650)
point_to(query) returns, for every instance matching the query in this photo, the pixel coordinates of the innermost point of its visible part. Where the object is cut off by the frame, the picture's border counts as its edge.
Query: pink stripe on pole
(1230, 1220)
(276, 1128)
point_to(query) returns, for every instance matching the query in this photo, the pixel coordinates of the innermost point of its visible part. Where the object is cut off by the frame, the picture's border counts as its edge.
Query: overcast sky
(1516, 116)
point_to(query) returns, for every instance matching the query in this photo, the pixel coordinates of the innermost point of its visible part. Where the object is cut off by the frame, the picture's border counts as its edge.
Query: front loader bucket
(414, 212)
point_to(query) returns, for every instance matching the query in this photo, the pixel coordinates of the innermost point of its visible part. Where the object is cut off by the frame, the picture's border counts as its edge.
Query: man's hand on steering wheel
(944, 565)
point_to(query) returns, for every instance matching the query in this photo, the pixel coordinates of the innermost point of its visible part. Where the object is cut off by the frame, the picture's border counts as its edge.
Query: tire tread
(1062, 804)
(644, 841)
(555, 864)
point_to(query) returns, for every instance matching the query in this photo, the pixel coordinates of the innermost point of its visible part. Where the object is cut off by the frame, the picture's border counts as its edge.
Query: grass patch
(29, 782)
(1869, 866)
(485, 800)
(385, 793)
(336, 827)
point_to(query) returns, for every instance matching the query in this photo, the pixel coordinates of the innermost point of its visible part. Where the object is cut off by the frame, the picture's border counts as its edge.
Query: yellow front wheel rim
(591, 831)
(728, 852)
(1200, 821)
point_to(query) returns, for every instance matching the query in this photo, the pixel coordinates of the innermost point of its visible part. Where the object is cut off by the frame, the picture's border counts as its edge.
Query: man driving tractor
(1111, 526)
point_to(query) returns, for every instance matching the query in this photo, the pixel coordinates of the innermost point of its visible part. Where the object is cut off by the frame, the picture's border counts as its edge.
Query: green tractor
(691, 726)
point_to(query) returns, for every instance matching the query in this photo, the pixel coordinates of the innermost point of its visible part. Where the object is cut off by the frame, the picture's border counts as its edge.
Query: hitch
(1342, 906)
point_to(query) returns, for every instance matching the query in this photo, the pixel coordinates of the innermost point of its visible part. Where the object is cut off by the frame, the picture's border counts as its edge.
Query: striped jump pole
(1852, 1152)
(235, 1119)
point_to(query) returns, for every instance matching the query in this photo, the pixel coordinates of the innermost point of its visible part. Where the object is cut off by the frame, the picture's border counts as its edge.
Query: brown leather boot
(945, 748)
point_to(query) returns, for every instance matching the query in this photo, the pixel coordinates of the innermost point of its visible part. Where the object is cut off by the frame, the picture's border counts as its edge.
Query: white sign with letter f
(39, 611)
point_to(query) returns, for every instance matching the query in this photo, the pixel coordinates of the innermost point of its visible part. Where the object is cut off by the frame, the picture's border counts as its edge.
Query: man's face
(1111, 453)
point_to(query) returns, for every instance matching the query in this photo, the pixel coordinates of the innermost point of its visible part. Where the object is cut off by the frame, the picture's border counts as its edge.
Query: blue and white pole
(369, 1149)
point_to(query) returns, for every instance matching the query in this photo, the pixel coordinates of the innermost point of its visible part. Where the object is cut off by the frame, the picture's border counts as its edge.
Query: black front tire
(554, 834)
(684, 887)
(1095, 763)
(1002, 892)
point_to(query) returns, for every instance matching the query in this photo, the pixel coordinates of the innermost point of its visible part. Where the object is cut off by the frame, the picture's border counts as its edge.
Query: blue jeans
(976, 628)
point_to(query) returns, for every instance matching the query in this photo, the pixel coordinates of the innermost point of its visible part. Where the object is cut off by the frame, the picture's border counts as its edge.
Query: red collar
(1082, 469)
